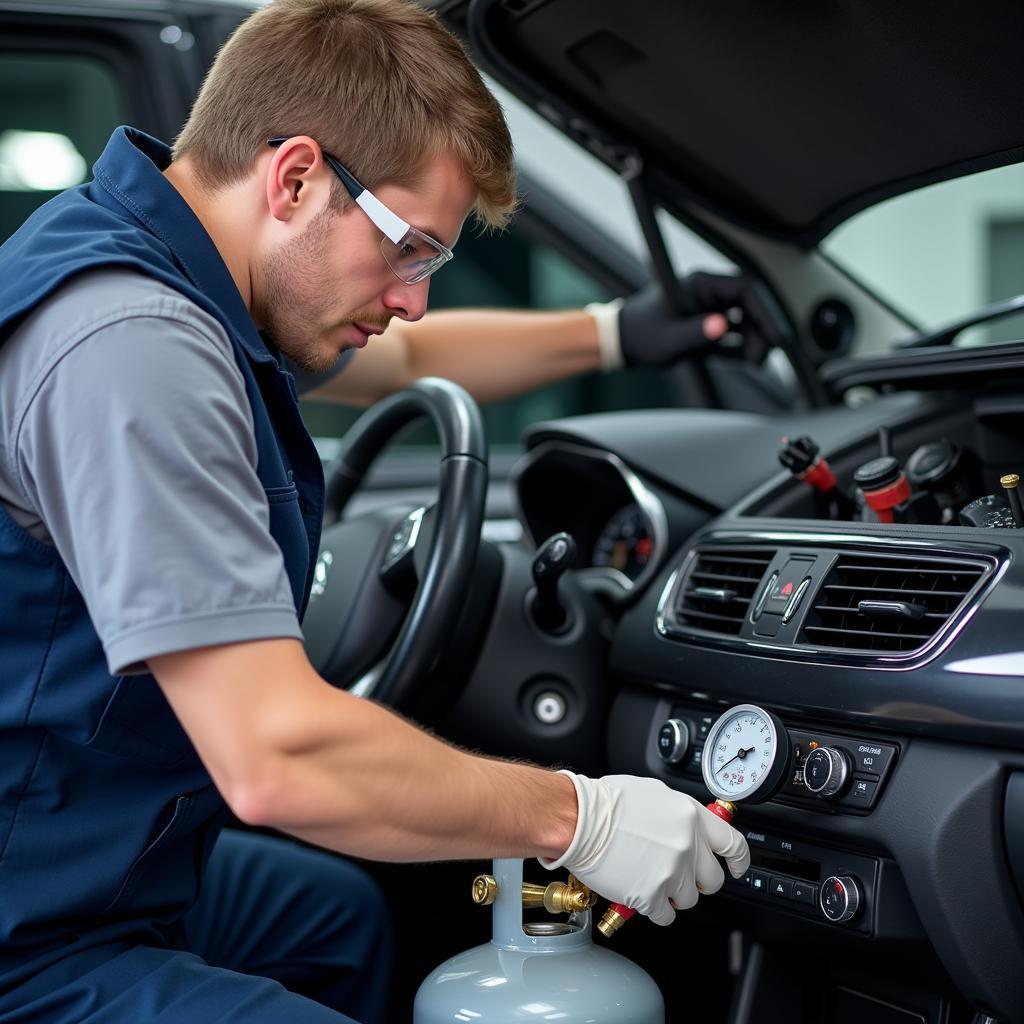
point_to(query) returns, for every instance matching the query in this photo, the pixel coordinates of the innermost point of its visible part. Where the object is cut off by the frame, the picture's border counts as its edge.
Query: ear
(295, 178)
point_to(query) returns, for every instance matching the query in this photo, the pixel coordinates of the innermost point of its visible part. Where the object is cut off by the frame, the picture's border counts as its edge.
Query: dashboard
(618, 522)
(708, 576)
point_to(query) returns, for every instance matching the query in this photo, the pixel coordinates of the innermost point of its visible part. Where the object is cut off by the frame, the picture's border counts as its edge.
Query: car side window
(57, 112)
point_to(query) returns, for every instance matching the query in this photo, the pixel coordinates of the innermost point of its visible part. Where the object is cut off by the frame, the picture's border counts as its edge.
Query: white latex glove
(640, 843)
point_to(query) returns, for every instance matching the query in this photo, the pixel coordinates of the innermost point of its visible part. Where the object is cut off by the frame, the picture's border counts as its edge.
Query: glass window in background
(941, 252)
(56, 113)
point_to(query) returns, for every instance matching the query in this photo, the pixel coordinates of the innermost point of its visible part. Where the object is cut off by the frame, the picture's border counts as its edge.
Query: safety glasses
(412, 255)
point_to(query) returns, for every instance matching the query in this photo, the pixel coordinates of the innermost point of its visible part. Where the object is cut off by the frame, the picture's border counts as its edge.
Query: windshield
(938, 254)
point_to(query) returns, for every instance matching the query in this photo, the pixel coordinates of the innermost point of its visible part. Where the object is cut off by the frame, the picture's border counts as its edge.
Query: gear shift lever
(553, 557)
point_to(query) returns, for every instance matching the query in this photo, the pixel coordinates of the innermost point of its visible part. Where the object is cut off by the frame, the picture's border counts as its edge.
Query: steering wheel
(389, 586)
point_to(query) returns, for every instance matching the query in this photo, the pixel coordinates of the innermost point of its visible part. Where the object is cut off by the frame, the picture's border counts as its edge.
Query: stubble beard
(295, 296)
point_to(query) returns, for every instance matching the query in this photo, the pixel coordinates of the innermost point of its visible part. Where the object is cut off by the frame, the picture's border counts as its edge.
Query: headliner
(785, 115)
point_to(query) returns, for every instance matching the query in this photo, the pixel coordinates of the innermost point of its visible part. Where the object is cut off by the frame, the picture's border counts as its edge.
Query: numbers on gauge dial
(743, 755)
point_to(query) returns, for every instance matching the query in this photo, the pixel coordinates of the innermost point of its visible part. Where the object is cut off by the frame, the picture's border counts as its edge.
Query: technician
(160, 505)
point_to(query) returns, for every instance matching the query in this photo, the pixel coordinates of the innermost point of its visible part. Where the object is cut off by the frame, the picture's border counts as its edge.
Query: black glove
(651, 335)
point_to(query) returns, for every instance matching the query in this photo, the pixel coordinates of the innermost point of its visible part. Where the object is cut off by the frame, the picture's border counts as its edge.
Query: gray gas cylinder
(537, 972)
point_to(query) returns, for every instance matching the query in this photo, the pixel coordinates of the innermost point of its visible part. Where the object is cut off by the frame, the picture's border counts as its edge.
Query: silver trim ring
(604, 578)
(709, 746)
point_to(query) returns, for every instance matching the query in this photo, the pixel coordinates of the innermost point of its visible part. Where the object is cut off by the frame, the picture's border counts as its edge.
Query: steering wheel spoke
(398, 566)
(401, 586)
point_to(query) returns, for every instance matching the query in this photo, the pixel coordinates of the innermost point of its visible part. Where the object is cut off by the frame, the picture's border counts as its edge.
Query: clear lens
(415, 257)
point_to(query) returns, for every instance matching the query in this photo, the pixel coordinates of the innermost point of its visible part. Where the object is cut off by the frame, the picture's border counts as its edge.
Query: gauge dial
(747, 754)
(625, 543)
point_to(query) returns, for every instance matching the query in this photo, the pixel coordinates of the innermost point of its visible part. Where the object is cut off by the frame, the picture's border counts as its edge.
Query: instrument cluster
(618, 523)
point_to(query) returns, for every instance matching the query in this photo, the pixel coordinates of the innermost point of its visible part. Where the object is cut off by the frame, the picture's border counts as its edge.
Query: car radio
(809, 880)
(827, 772)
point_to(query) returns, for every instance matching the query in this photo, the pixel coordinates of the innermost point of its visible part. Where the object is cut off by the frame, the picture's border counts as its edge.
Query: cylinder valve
(571, 897)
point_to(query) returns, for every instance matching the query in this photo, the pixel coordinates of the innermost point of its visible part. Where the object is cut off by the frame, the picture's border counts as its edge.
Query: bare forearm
(291, 752)
(373, 785)
(494, 354)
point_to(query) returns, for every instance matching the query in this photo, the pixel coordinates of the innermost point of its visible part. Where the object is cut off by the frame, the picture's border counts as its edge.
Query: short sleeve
(139, 455)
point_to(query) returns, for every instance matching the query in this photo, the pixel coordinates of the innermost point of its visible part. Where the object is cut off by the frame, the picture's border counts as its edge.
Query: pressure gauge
(747, 755)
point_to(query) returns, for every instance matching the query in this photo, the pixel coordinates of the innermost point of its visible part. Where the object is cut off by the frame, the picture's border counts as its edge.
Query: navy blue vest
(107, 815)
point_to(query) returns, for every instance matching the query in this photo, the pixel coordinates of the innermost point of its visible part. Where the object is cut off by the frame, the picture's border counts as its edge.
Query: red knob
(820, 476)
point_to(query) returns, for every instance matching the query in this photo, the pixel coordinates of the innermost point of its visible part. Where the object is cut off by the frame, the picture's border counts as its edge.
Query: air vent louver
(883, 603)
(719, 587)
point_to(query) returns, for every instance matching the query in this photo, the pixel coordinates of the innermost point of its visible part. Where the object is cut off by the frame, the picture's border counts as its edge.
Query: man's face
(330, 288)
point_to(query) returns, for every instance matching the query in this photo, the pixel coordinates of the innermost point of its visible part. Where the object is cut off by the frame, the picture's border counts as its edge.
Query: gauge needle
(741, 753)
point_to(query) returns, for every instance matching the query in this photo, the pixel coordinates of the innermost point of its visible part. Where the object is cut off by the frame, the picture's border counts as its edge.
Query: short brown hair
(380, 84)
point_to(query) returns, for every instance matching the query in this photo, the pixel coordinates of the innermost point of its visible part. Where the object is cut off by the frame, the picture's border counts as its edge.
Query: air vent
(719, 587)
(888, 603)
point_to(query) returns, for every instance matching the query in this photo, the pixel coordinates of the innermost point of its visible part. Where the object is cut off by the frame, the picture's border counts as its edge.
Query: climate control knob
(673, 740)
(839, 898)
(825, 771)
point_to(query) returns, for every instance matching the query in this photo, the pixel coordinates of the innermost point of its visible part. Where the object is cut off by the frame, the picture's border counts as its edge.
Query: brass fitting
(557, 898)
(570, 897)
(610, 923)
(485, 890)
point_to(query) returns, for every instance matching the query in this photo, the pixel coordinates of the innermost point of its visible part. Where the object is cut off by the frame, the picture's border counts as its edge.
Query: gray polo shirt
(126, 440)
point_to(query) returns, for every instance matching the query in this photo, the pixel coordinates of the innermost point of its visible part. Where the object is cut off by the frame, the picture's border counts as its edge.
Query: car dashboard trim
(608, 580)
(998, 559)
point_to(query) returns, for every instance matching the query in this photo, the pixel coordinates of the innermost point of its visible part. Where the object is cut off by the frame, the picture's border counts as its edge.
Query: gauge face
(745, 755)
(625, 542)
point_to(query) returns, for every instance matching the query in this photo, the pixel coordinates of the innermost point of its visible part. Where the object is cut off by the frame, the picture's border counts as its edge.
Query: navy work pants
(280, 935)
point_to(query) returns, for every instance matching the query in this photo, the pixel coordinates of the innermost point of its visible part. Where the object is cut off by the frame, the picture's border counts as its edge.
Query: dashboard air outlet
(719, 587)
(888, 603)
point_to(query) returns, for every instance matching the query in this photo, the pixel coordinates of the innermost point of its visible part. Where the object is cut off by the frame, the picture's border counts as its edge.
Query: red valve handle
(820, 476)
(886, 498)
(618, 913)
